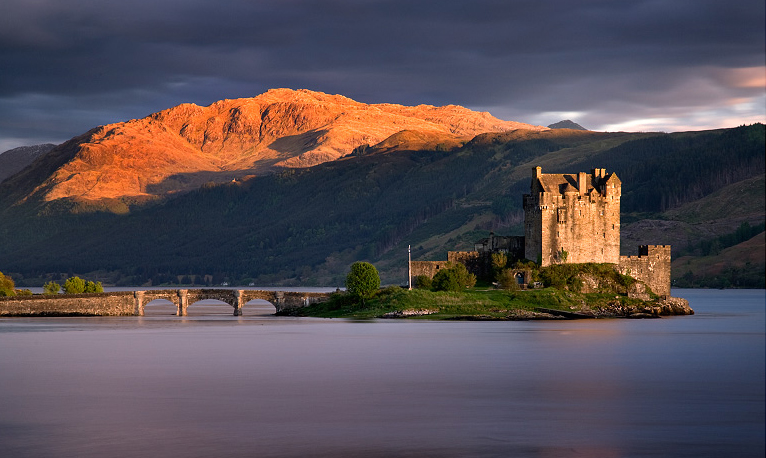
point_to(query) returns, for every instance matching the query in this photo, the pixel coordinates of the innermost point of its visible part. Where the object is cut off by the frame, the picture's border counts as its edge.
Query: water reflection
(211, 384)
(210, 307)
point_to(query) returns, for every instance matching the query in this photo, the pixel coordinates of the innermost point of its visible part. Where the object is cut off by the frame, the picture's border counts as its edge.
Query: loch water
(215, 385)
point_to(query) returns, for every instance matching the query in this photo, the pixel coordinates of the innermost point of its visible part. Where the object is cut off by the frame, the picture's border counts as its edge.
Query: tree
(423, 282)
(362, 280)
(506, 279)
(51, 288)
(499, 262)
(74, 285)
(7, 287)
(455, 278)
(93, 287)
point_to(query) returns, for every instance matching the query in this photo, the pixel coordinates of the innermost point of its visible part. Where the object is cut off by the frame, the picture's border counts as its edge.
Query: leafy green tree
(74, 285)
(506, 279)
(7, 287)
(499, 260)
(93, 287)
(362, 280)
(51, 288)
(423, 282)
(445, 280)
(455, 278)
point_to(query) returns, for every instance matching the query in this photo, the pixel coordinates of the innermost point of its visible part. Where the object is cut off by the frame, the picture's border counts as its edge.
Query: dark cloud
(71, 64)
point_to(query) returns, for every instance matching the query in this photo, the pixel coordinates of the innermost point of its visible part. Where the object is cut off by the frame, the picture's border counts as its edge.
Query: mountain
(566, 124)
(14, 160)
(184, 147)
(307, 225)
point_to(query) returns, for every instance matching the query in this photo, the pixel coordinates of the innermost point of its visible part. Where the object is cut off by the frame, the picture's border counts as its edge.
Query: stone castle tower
(568, 218)
(572, 218)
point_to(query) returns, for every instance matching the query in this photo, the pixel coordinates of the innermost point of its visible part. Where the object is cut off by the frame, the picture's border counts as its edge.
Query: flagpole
(409, 267)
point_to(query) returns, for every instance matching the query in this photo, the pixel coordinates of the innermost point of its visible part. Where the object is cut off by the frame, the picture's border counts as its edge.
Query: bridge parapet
(236, 298)
(134, 302)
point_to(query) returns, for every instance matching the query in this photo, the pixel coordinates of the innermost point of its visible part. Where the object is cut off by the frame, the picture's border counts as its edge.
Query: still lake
(215, 385)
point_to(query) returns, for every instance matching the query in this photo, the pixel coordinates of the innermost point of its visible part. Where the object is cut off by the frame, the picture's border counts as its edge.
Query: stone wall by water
(96, 304)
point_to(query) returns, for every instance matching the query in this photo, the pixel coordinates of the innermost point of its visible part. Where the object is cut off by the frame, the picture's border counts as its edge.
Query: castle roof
(560, 183)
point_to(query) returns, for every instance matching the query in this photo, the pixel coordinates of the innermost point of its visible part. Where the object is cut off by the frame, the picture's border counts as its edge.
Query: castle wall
(651, 266)
(587, 228)
(533, 228)
(512, 245)
(475, 262)
(583, 221)
(427, 268)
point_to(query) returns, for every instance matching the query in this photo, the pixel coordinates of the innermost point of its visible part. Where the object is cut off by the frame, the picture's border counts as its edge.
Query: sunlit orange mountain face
(182, 148)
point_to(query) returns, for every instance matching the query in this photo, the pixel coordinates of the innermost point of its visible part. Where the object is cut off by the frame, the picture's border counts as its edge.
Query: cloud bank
(69, 65)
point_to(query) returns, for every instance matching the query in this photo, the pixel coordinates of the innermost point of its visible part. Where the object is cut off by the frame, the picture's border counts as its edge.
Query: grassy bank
(476, 303)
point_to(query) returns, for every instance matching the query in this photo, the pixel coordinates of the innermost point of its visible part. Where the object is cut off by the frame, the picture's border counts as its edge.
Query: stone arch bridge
(237, 298)
(126, 303)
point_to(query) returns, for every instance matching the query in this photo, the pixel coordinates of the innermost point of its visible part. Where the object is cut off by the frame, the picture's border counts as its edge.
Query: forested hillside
(306, 226)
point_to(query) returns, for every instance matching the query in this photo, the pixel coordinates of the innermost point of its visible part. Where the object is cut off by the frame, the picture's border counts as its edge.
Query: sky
(67, 66)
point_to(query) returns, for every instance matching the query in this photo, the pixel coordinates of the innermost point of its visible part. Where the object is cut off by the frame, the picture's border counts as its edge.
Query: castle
(568, 218)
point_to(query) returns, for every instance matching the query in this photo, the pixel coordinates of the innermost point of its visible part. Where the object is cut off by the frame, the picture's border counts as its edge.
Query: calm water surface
(215, 385)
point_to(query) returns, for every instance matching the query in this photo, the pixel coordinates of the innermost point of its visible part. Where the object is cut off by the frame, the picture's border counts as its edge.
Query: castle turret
(573, 218)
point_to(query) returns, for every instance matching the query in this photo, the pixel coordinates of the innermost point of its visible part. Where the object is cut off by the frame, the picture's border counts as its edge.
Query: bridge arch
(182, 298)
(160, 306)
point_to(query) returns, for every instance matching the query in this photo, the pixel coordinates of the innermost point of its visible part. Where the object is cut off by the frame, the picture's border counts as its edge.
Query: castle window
(562, 215)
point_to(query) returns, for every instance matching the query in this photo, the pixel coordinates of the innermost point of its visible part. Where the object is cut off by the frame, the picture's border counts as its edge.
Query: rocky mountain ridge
(183, 147)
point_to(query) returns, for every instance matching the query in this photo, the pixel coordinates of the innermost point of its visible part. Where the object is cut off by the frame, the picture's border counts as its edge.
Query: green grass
(470, 304)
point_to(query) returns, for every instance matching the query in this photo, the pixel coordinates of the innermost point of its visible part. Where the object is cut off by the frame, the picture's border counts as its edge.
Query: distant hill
(307, 225)
(14, 160)
(566, 124)
(184, 147)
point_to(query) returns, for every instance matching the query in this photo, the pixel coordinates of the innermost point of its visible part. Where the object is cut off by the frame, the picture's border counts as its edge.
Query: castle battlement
(569, 218)
(652, 266)
(573, 217)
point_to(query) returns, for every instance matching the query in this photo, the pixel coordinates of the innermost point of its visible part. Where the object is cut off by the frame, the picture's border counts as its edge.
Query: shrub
(506, 279)
(51, 288)
(499, 262)
(362, 280)
(74, 285)
(7, 287)
(455, 278)
(91, 287)
(423, 282)
(445, 280)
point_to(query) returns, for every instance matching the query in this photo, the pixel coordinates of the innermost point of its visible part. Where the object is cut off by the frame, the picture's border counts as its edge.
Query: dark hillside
(668, 170)
(308, 225)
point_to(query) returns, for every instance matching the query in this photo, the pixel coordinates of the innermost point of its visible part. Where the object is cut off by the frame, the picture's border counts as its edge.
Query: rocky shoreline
(669, 306)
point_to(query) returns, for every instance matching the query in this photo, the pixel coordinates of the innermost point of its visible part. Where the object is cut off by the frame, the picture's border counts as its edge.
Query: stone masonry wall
(427, 268)
(475, 262)
(126, 303)
(587, 228)
(652, 266)
(581, 220)
(97, 304)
